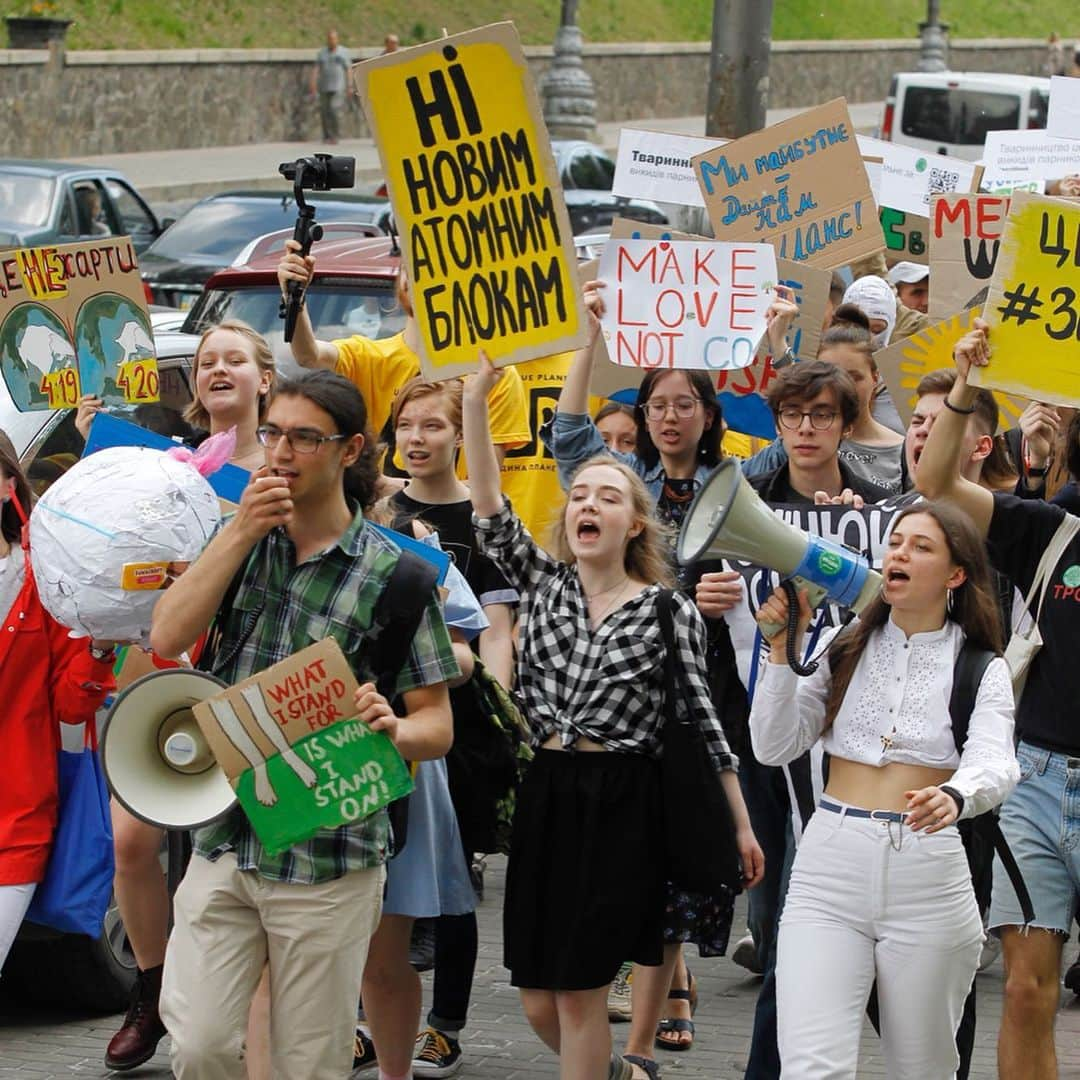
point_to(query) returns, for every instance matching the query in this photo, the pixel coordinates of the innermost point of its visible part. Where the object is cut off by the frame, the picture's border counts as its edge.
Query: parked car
(215, 231)
(950, 112)
(46, 202)
(45, 966)
(353, 292)
(587, 174)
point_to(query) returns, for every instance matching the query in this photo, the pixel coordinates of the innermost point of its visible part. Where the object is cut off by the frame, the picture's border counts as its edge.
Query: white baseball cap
(907, 273)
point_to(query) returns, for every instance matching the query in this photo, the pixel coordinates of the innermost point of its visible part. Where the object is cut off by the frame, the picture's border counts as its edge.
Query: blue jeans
(765, 793)
(1041, 822)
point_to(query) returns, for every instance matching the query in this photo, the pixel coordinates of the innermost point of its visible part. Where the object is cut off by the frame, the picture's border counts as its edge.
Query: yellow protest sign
(903, 364)
(484, 230)
(1033, 308)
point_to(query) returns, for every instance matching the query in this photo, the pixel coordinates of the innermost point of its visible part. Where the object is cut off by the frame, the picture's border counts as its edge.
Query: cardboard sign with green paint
(290, 744)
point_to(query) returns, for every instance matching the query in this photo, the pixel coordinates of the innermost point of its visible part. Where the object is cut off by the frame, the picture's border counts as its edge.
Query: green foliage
(143, 24)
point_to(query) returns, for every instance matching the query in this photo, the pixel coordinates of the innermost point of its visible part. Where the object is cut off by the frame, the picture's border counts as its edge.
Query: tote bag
(75, 893)
(1023, 646)
(699, 829)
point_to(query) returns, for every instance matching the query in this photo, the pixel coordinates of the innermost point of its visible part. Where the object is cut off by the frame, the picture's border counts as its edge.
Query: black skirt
(585, 878)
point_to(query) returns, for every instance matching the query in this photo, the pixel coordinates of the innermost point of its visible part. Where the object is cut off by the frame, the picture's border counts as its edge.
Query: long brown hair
(646, 554)
(11, 522)
(974, 604)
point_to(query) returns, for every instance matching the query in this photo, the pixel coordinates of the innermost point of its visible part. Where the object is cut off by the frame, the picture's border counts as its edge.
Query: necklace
(598, 616)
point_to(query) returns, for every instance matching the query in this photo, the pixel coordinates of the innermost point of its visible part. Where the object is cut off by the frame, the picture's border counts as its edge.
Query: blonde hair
(415, 389)
(646, 557)
(196, 412)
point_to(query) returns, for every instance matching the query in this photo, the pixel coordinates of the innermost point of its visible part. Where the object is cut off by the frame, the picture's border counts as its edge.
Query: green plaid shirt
(332, 594)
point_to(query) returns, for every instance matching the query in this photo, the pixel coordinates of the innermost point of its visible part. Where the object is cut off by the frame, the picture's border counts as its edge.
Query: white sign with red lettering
(685, 303)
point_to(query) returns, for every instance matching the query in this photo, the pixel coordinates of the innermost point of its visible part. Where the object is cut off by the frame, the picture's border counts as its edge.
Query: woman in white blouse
(880, 887)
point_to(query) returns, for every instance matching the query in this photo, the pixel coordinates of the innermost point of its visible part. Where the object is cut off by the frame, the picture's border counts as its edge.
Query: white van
(950, 112)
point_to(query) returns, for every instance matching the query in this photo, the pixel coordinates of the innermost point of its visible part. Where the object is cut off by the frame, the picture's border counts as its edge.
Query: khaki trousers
(228, 924)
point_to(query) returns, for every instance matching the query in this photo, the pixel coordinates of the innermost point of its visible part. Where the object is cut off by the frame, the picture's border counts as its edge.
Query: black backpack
(982, 835)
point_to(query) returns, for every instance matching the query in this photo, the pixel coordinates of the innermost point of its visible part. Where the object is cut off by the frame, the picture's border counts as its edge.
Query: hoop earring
(949, 603)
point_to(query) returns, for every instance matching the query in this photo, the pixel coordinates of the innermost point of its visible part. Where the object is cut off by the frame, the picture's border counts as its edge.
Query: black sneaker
(436, 1054)
(1072, 977)
(363, 1053)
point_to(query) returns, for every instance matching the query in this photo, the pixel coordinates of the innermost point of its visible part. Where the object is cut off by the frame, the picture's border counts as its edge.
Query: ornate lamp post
(567, 90)
(934, 50)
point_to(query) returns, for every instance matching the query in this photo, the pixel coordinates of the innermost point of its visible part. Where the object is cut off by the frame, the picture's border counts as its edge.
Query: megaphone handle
(790, 587)
(815, 597)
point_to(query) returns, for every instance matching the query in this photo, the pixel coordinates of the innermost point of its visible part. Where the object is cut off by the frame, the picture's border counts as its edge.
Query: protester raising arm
(574, 397)
(307, 350)
(939, 476)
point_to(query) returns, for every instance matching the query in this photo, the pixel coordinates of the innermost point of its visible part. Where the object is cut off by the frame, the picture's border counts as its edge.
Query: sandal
(651, 1068)
(669, 1031)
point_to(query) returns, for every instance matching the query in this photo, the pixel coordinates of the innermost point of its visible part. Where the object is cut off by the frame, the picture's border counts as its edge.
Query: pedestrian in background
(330, 81)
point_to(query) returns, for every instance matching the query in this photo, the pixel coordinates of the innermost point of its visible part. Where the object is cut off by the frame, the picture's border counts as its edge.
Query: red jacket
(46, 678)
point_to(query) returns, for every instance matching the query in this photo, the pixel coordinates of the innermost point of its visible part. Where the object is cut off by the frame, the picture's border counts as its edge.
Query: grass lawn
(144, 24)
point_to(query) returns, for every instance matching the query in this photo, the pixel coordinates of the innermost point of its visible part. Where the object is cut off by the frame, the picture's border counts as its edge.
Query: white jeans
(871, 899)
(14, 900)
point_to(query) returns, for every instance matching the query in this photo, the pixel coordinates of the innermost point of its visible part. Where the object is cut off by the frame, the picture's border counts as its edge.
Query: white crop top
(896, 709)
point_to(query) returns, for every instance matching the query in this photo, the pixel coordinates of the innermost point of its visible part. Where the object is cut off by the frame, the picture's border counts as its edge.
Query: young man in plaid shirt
(311, 568)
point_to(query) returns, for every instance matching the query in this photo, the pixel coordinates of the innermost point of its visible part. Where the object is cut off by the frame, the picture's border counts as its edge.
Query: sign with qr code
(911, 178)
(1033, 308)
(799, 185)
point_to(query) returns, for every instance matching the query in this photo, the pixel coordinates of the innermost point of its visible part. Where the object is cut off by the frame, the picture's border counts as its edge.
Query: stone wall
(85, 103)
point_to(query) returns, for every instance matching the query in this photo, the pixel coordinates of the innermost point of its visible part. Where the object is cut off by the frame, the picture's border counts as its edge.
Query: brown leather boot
(142, 1030)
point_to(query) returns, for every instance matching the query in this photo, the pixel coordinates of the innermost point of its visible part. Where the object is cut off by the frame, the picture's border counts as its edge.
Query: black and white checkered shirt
(605, 684)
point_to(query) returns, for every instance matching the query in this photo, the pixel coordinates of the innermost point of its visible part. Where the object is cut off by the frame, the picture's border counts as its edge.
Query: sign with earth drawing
(73, 321)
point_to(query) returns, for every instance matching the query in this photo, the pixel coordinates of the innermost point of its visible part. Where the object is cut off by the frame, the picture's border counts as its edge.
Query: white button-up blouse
(896, 709)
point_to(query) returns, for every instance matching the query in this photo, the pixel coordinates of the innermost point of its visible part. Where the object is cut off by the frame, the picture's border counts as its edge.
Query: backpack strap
(968, 674)
(398, 613)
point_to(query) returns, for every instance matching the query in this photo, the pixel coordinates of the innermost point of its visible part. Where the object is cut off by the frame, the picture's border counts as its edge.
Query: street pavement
(164, 176)
(498, 1044)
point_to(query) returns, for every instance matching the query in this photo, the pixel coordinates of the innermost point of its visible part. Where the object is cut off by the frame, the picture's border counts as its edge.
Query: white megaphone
(728, 520)
(157, 762)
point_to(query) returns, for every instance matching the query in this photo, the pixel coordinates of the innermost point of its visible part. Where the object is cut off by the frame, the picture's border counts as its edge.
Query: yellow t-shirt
(379, 368)
(530, 479)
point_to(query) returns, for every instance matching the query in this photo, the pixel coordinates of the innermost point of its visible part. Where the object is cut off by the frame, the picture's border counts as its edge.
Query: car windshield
(24, 199)
(960, 117)
(216, 231)
(336, 311)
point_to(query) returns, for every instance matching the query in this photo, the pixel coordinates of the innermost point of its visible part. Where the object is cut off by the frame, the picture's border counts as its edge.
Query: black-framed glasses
(821, 419)
(302, 440)
(683, 407)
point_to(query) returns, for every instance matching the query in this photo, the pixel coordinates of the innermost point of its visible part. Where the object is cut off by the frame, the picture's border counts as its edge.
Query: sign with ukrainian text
(290, 744)
(964, 240)
(73, 321)
(1015, 159)
(485, 236)
(685, 303)
(659, 165)
(799, 185)
(1033, 307)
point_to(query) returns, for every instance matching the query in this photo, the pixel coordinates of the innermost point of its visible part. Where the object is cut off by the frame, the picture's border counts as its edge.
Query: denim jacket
(573, 438)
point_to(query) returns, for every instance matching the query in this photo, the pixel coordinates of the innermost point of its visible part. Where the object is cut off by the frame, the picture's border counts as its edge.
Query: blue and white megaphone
(727, 520)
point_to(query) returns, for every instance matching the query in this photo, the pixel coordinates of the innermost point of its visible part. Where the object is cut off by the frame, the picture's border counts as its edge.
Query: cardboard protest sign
(658, 165)
(964, 240)
(290, 744)
(685, 303)
(904, 363)
(910, 178)
(799, 185)
(73, 321)
(1063, 115)
(1013, 158)
(905, 235)
(741, 390)
(1034, 303)
(485, 236)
